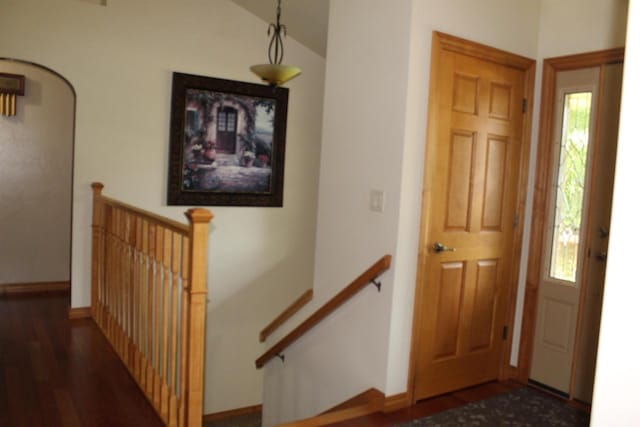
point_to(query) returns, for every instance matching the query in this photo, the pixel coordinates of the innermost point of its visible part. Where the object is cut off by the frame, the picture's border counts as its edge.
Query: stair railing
(148, 296)
(368, 277)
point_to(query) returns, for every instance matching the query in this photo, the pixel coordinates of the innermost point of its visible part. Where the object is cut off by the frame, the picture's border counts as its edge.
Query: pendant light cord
(276, 46)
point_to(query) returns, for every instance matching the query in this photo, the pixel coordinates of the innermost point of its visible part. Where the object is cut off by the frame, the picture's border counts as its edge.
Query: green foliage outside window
(571, 183)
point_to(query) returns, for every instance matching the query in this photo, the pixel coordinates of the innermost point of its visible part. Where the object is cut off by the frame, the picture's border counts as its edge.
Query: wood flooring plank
(67, 409)
(4, 399)
(17, 398)
(46, 406)
(40, 372)
(58, 373)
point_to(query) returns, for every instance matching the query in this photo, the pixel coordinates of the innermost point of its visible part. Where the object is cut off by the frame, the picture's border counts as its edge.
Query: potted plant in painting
(263, 160)
(209, 151)
(247, 158)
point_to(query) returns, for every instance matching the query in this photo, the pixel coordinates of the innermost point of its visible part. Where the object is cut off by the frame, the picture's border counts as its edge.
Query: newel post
(97, 247)
(198, 237)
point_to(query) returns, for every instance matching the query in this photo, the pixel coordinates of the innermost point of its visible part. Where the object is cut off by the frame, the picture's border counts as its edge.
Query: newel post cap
(199, 215)
(97, 188)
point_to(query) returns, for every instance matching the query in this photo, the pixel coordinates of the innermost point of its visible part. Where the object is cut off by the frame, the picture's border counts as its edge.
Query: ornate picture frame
(227, 142)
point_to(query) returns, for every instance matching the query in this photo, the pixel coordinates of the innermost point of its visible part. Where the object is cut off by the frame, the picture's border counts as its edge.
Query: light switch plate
(376, 201)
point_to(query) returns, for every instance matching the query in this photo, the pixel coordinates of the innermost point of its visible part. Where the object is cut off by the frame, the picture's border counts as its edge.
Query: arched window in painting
(226, 126)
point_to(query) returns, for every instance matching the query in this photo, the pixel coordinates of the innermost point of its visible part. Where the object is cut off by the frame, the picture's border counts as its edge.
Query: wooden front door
(470, 215)
(226, 130)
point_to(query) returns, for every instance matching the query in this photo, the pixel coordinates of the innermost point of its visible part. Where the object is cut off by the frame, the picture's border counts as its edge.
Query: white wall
(373, 138)
(361, 150)
(36, 154)
(615, 400)
(120, 59)
(576, 26)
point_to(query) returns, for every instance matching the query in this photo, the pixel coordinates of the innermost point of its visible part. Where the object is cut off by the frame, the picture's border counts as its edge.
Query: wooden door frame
(443, 42)
(551, 67)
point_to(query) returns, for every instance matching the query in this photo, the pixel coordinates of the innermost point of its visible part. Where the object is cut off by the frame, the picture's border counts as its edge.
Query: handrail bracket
(280, 356)
(377, 284)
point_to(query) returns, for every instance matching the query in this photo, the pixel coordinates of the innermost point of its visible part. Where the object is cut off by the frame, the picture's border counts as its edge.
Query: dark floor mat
(522, 407)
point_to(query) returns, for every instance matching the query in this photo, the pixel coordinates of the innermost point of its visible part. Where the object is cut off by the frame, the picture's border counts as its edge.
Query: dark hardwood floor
(56, 372)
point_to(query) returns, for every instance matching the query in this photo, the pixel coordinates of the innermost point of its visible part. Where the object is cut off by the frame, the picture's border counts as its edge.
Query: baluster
(166, 294)
(127, 288)
(102, 268)
(126, 294)
(144, 293)
(115, 281)
(132, 288)
(151, 249)
(121, 283)
(158, 316)
(111, 273)
(184, 313)
(137, 298)
(175, 270)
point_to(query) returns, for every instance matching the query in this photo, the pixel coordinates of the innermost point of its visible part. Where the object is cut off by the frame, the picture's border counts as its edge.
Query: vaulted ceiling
(306, 20)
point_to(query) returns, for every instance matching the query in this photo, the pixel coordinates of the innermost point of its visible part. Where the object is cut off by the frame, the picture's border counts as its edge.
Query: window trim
(556, 143)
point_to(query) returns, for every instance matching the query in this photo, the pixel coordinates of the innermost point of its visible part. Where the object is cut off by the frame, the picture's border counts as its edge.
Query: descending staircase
(149, 297)
(367, 402)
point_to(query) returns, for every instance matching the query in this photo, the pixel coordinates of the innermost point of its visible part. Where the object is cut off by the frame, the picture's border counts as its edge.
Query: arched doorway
(36, 178)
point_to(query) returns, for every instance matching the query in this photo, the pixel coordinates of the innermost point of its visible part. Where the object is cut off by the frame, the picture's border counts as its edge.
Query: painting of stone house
(228, 142)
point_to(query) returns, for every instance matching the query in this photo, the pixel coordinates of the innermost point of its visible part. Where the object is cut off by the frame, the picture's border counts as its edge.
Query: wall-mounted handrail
(286, 314)
(329, 307)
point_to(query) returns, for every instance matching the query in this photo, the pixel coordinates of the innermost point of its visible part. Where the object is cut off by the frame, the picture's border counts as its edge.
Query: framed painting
(227, 142)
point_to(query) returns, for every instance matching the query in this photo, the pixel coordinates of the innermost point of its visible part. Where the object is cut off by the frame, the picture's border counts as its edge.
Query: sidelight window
(569, 195)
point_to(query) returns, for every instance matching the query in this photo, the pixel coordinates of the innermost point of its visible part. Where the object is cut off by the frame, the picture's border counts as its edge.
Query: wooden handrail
(152, 218)
(148, 296)
(329, 307)
(286, 314)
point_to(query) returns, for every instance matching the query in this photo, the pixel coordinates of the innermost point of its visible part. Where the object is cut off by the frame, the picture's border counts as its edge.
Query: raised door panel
(459, 188)
(450, 291)
(494, 183)
(555, 340)
(483, 305)
(465, 93)
(556, 322)
(500, 101)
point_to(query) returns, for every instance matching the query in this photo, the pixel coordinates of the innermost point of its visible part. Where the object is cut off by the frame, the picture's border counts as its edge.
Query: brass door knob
(439, 247)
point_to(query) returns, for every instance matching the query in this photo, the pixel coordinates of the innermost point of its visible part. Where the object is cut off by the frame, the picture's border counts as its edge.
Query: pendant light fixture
(274, 72)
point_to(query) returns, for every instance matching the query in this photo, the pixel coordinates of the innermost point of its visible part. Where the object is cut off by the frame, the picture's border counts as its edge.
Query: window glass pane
(222, 121)
(231, 121)
(570, 191)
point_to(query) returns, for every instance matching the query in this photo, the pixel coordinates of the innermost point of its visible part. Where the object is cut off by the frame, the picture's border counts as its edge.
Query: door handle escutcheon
(439, 247)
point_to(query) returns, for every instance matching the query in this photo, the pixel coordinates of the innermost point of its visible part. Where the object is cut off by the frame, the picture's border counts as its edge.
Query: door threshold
(546, 388)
